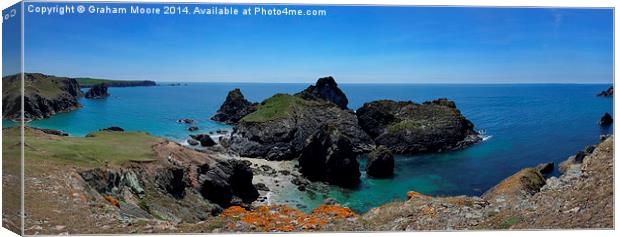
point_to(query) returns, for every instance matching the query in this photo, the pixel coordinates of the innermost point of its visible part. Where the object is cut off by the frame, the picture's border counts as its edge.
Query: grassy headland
(89, 82)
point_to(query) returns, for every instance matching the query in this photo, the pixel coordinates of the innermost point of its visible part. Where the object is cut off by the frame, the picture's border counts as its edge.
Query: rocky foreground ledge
(151, 185)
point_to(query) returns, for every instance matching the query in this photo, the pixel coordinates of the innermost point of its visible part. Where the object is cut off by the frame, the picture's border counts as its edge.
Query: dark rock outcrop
(328, 156)
(173, 180)
(409, 128)
(280, 127)
(327, 89)
(607, 93)
(227, 180)
(98, 91)
(113, 181)
(186, 121)
(204, 139)
(545, 168)
(192, 128)
(380, 163)
(606, 120)
(192, 142)
(526, 182)
(113, 129)
(234, 108)
(52, 131)
(44, 96)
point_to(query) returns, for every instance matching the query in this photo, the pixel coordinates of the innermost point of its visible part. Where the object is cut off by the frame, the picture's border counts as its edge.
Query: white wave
(484, 135)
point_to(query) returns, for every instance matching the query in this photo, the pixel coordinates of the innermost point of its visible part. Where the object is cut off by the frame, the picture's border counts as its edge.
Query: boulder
(607, 93)
(406, 127)
(545, 168)
(380, 163)
(192, 142)
(262, 187)
(226, 181)
(326, 89)
(186, 121)
(606, 120)
(98, 91)
(234, 108)
(192, 128)
(526, 182)
(330, 202)
(572, 160)
(204, 139)
(280, 126)
(329, 156)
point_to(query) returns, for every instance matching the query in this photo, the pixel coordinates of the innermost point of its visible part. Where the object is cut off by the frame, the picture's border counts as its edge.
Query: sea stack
(380, 163)
(607, 93)
(98, 91)
(234, 108)
(606, 120)
(328, 156)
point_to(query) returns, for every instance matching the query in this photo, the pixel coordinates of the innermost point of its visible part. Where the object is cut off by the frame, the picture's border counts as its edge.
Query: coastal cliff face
(145, 178)
(90, 82)
(44, 96)
(409, 128)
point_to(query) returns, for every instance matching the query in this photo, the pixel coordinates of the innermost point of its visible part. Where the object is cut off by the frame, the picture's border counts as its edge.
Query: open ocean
(525, 125)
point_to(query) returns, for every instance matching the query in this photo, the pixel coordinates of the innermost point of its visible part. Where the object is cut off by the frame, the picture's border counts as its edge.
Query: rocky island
(607, 93)
(409, 128)
(316, 127)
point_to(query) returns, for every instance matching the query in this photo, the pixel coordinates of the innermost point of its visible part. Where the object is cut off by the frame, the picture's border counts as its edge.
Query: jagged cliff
(44, 96)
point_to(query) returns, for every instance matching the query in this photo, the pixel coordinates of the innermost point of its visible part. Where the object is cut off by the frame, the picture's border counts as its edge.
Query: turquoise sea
(525, 124)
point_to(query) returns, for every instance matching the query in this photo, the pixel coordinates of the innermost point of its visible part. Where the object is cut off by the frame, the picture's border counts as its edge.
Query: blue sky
(353, 44)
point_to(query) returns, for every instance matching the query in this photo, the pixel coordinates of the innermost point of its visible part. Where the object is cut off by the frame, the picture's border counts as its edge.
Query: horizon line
(341, 83)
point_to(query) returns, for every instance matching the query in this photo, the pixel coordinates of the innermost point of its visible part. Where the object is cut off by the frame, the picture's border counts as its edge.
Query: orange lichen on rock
(234, 211)
(112, 201)
(334, 210)
(414, 194)
(282, 218)
(428, 210)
